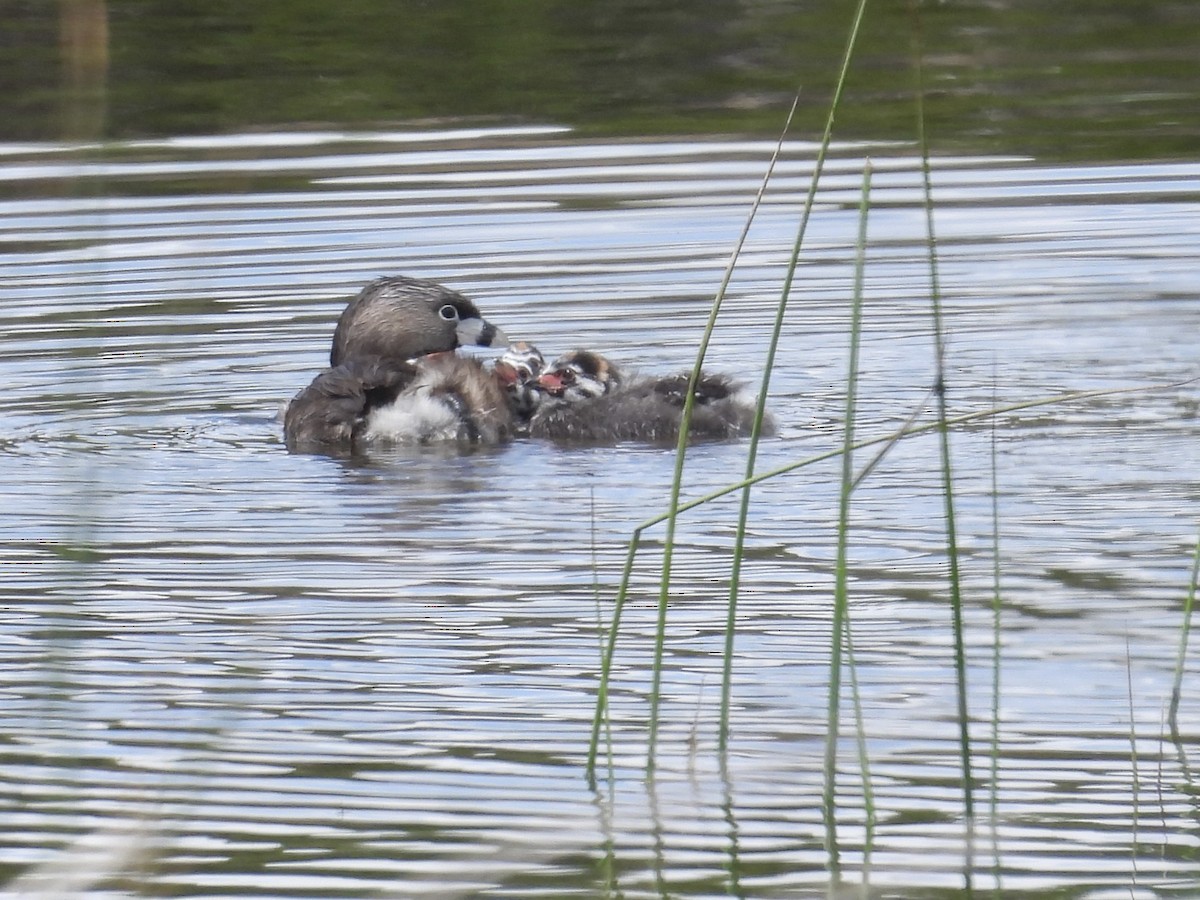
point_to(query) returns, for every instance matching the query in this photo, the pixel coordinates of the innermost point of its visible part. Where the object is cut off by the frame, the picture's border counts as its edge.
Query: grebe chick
(590, 400)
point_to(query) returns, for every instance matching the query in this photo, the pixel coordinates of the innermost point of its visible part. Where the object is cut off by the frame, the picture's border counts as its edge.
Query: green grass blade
(864, 761)
(689, 403)
(840, 630)
(997, 597)
(955, 581)
(1185, 629)
(1135, 778)
(600, 714)
(768, 366)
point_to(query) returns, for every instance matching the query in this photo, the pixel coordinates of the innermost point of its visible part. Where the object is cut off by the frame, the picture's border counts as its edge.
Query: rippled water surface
(237, 671)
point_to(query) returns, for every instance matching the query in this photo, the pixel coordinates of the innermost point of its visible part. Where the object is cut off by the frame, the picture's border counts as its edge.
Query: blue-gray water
(287, 675)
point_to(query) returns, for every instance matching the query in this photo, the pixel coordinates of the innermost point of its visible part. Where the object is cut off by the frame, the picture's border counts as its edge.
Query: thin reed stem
(599, 716)
(769, 364)
(689, 403)
(735, 571)
(1184, 631)
(935, 296)
(840, 630)
(1134, 773)
(864, 762)
(994, 812)
(599, 616)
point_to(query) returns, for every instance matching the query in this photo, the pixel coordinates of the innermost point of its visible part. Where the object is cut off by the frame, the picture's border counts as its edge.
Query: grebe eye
(448, 312)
